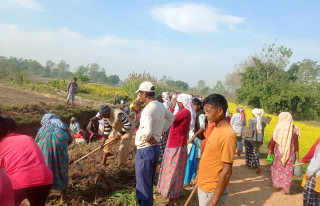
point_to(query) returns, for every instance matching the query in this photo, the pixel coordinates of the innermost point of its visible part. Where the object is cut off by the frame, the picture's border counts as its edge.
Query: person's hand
(152, 141)
(269, 153)
(117, 136)
(297, 155)
(164, 136)
(102, 146)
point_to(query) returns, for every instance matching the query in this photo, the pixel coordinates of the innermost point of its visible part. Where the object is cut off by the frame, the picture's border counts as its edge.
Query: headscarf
(51, 118)
(282, 135)
(242, 115)
(166, 100)
(258, 113)
(186, 101)
(315, 162)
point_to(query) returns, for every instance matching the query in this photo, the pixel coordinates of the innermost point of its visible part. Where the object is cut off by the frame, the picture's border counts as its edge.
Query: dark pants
(36, 195)
(145, 167)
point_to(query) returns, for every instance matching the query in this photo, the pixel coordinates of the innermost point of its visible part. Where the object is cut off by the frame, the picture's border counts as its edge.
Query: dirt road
(248, 188)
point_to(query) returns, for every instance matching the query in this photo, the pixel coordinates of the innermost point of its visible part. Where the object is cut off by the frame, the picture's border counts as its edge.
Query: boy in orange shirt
(215, 167)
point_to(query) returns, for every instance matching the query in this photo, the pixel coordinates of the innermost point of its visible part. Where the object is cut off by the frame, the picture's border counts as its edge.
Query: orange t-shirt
(220, 147)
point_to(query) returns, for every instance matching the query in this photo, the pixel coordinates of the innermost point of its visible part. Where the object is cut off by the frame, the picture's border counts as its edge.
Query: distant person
(74, 126)
(311, 180)
(173, 166)
(166, 100)
(53, 139)
(253, 143)
(238, 121)
(155, 120)
(118, 127)
(71, 89)
(285, 147)
(215, 167)
(24, 164)
(116, 99)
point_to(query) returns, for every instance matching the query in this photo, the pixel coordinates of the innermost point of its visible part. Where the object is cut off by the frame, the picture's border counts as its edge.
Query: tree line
(22, 68)
(266, 80)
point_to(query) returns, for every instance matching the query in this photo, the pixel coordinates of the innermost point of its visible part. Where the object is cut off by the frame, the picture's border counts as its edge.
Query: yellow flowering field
(309, 134)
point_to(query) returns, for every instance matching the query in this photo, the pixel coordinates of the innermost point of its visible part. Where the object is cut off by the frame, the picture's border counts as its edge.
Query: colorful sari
(52, 139)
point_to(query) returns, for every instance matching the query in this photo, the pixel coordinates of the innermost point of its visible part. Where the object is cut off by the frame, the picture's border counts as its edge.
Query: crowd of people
(193, 140)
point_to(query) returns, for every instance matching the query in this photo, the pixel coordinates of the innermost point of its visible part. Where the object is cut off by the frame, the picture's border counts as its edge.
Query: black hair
(159, 98)
(75, 79)
(4, 129)
(197, 102)
(12, 126)
(150, 94)
(217, 100)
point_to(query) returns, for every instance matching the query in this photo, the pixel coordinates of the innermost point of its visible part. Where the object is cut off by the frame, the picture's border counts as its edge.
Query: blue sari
(192, 164)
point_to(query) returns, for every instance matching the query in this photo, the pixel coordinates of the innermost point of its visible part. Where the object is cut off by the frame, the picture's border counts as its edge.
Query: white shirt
(155, 119)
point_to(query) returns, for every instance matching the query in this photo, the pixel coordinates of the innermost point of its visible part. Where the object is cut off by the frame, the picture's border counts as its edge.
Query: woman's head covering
(243, 115)
(51, 118)
(166, 100)
(186, 101)
(258, 113)
(282, 135)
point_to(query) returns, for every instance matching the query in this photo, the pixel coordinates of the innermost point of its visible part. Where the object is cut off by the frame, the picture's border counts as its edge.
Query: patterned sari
(53, 142)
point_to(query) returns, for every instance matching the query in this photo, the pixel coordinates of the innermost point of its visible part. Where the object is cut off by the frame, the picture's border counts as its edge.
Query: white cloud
(190, 17)
(28, 4)
(108, 40)
(69, 33)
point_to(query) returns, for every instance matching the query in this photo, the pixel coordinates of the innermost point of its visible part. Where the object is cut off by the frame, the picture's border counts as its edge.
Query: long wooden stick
(93, 151)
(301, 163)
(191, 195)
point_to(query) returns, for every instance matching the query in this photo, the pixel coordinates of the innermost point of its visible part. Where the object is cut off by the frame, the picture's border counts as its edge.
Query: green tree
(219, 88)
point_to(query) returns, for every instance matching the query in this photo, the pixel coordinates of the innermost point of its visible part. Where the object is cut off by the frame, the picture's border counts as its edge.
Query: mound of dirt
(95, 183)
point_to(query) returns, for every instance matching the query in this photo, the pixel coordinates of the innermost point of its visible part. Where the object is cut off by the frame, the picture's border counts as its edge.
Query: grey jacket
(257, 137)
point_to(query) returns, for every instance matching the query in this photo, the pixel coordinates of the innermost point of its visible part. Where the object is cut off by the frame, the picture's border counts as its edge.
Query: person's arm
(126, 125)
(168, 119)
(222, 183)
(296, 146)
(70, 137)
(232, 120)
(272, 144)
(107, 130)
(202, 124)
(310, 154)
(68, 87)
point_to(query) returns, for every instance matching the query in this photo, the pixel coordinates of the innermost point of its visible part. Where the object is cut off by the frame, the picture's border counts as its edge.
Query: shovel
(80, 165)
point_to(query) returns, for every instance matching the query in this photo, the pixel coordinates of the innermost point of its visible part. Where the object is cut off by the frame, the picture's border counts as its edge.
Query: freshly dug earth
(95, 183)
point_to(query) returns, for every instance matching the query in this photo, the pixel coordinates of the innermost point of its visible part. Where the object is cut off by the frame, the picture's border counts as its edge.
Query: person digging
(118, 128)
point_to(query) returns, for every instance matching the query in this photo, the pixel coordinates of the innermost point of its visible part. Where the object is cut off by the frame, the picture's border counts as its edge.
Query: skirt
(282, 175)
(172, 172)
(53, 142)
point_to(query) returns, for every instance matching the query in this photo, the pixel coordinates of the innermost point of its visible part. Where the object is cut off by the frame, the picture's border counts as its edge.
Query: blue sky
(185, 40)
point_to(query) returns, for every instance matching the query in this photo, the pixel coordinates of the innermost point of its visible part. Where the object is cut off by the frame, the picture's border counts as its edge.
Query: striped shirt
(123, 119)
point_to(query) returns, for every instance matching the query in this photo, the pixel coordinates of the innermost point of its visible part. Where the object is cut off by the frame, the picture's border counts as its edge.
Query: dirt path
(248, 188)
(14, 96)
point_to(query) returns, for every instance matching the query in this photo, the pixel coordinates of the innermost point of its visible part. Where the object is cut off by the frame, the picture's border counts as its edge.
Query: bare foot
(238, 153)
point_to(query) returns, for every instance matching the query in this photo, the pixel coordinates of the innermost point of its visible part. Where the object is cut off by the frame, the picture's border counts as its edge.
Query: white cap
(146, 87)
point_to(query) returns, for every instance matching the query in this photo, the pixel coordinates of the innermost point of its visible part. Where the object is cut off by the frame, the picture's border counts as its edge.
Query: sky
(184, 40)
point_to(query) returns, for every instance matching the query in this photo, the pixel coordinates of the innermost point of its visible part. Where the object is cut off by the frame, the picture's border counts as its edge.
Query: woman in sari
(53, 139)
(252, 144)
(173, 166)
(195, 140)
(285, 146)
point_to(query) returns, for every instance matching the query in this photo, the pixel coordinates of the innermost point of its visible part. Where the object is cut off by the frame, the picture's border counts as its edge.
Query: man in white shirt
(74, 127)
(155, 120)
